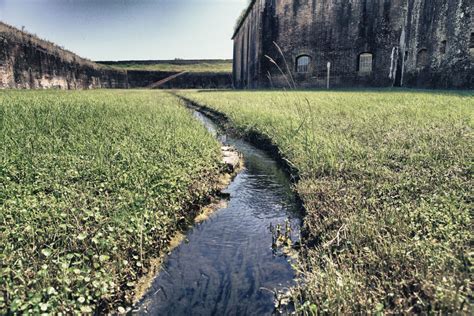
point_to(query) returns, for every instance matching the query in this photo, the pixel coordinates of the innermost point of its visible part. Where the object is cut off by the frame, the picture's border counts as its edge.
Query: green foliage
(93, 184)
(32, 40)
(220, 66)
(243, 14)
(386, 179)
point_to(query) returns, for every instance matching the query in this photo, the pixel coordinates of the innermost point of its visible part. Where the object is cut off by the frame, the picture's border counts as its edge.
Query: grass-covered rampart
(386, 179)
(92, 186)
(209, 66)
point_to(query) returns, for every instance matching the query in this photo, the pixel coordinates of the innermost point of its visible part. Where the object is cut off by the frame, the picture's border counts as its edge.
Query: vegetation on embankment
(210, 66)
(386, 180)
(93, 184)
(10, 33)
(28, 62)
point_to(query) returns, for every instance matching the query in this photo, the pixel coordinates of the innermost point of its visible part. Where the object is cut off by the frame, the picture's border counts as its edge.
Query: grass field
(224, 66)
(386, 179)
(92, 186)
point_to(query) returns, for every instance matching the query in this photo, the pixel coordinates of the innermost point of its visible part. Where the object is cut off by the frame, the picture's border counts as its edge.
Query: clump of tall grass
(92, 186)
(386, 181)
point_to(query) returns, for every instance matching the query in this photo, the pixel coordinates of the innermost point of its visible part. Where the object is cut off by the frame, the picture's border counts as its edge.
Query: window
(365, 62)
(442, 48)
(302, 64)
(471, 45)
(422, 60)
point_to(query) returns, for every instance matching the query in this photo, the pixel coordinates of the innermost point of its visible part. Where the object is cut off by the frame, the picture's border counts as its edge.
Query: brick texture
(414, 43)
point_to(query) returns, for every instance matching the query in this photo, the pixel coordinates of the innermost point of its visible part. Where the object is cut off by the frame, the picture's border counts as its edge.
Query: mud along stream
(227, 264)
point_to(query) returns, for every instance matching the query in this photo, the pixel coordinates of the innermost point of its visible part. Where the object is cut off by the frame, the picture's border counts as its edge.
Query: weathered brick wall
(200, 80)
(27, 62)
(338, 31)
(442, 28)
(145, 78)
(331, 31)
(248, 48)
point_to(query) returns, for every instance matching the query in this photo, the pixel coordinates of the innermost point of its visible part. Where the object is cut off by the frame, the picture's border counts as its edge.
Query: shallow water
(228, 266)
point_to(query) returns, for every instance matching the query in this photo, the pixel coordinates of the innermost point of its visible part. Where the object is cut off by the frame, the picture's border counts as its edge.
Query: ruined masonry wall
(415, 43)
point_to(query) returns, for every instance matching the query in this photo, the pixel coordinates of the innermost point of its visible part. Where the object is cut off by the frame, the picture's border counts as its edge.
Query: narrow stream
(228, 266)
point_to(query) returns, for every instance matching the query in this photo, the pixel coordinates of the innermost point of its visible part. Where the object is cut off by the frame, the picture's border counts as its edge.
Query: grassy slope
(92, 185)
(198, 67)
(25, 38)
(387, 184)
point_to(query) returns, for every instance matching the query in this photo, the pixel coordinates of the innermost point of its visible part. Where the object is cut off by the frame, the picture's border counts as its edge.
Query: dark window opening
(366, 62)
(302, 64)
(422, 59)
(442, 48)
(471, 45)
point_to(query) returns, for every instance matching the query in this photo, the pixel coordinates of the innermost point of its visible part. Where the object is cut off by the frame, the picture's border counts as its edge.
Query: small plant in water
(281, 239)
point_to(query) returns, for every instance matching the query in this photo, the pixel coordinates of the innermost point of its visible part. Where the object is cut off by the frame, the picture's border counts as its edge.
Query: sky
(130, 29)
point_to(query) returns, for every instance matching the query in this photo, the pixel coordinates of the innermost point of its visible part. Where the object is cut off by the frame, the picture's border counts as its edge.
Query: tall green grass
(386, 180)
(93, 185)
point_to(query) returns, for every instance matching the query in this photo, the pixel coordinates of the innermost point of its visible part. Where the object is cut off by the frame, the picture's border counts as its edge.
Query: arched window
(366, 62)
(302, 64)
(422, 59)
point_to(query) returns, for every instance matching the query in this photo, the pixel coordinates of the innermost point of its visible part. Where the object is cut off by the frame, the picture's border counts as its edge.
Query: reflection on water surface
(228, 266)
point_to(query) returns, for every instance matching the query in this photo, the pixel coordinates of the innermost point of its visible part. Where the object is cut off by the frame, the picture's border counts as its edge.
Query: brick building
(414, 43)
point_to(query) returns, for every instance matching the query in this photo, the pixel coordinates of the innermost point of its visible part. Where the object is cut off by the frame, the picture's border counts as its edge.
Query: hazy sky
(130, 29)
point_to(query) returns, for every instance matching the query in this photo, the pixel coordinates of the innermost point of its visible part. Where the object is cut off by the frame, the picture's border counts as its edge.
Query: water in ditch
(227, 265)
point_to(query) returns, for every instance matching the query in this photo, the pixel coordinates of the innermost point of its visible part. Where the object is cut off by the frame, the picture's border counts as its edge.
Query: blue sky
(130, 29)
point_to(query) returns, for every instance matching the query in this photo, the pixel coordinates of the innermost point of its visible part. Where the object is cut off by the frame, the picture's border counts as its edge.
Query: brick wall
(339, 31)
